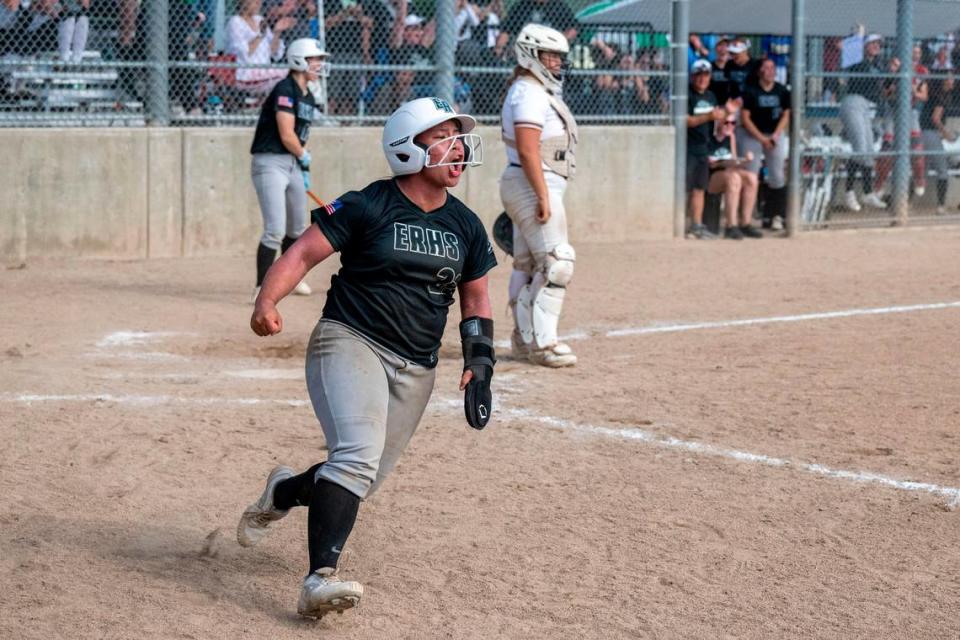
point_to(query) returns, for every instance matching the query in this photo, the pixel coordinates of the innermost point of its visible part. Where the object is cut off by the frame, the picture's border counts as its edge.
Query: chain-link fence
(882, 108)
(135, 62)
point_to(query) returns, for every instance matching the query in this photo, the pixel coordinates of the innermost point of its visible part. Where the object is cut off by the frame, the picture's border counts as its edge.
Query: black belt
(514, 164)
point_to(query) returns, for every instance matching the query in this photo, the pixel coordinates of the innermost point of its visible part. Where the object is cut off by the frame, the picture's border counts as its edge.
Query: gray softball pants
(369, 402)
(857, 115)
(932, 141)
(775, 159)
(282, 196)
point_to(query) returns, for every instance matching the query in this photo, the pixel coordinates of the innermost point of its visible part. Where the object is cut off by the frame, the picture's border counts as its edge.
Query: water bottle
(215, 108)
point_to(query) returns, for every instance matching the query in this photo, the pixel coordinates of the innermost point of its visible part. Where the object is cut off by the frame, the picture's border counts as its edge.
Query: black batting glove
(476, 335)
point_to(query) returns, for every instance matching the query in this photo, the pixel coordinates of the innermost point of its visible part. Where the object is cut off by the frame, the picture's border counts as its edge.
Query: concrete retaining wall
(137, 193)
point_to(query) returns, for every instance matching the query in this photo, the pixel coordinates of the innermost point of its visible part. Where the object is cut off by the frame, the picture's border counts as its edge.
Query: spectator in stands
(303, 11)
(478, 26)
(935, 131)
(765, 117)
(696, 50)
(414, 50)
(186, 43)
(741, 70)
(719, 82)
(606, 87)
(702, 112)
(14, 18)
(252, 40)
(730, 176)
(920, 96)
(73, 29)
(348, 33)
(41, 32)
(858, 109)
(555, 14)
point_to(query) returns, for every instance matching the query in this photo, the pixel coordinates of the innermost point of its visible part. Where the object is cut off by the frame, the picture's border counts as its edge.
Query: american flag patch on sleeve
(332, 207)
(284, 101)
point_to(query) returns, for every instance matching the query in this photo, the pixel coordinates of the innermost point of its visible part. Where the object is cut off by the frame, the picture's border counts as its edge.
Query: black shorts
(698, 173)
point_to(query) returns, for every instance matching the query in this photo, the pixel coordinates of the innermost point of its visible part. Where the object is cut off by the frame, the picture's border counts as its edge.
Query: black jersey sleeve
(343, 219)
(480, 258)
(284, 98)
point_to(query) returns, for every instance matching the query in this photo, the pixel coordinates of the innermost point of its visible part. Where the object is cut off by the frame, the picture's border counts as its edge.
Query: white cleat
(302, 289)
(559, 355)
(874, 200)
(323, 591)
(255, 522)
(850, 201)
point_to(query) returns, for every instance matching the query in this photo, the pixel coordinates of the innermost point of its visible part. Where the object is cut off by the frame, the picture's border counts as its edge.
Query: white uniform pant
(532, 241)
(283, 199)
(369, 402)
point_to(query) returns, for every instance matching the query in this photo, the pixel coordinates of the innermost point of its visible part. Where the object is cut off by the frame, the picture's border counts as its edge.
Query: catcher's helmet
(503, 232)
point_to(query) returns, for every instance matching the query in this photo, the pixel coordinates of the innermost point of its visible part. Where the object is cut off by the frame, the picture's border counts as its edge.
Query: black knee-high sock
(941, 192)
(287, 243)
(333, 510)
(296, 491)
(265, 258)
(867, 180)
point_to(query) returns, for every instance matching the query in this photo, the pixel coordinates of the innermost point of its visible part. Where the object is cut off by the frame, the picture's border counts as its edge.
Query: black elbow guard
(476, 335)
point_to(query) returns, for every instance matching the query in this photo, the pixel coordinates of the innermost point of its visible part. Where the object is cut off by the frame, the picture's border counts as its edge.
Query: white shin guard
(538, 314)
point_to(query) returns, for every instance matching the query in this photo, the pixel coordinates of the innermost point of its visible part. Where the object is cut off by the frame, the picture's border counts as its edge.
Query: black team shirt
(698, 138)
(766, 107)
(400, 266)
(285, 97)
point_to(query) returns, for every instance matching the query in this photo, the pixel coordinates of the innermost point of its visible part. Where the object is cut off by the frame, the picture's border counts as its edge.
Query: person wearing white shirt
(540, 136)
(253, 42)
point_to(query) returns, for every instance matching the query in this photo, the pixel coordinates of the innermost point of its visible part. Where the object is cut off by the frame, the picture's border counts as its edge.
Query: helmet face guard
(472, 151)
(535, 39)
(405, 156)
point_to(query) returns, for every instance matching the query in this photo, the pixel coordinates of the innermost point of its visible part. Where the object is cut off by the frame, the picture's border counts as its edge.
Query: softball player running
(540, 135)
(281, 162)
(406, 246)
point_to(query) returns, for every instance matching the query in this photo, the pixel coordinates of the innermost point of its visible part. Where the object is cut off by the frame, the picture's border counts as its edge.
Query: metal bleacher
(46, 91)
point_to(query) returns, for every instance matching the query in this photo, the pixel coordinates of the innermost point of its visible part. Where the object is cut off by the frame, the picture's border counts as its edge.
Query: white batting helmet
(301, 49)
(533, 39)
(413, 118)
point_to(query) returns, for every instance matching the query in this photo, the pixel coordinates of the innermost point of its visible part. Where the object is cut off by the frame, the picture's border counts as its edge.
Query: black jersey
(869, 88)
(400, 266)
(720, 83)
(938, 98)
(698, 138)
(766, 107)
(285, 97)
(742, 76)
(720, 151)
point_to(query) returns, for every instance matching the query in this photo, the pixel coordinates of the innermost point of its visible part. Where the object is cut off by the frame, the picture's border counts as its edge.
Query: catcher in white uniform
(540, 135)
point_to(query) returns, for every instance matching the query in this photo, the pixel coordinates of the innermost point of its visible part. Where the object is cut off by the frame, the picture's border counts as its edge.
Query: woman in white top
(540, 136)
(251, 39)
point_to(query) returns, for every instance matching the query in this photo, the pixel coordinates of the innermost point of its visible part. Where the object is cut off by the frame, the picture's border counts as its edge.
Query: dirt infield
(795, 474)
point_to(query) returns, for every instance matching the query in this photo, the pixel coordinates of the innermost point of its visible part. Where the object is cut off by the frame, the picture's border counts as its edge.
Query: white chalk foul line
(28, 398)
(952, 494)
(722, 324)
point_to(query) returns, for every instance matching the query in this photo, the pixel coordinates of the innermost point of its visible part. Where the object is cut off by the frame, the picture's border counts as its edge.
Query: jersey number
(446, 284)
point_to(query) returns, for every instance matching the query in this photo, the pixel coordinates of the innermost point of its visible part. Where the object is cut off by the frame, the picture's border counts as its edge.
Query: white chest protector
(557, 148)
